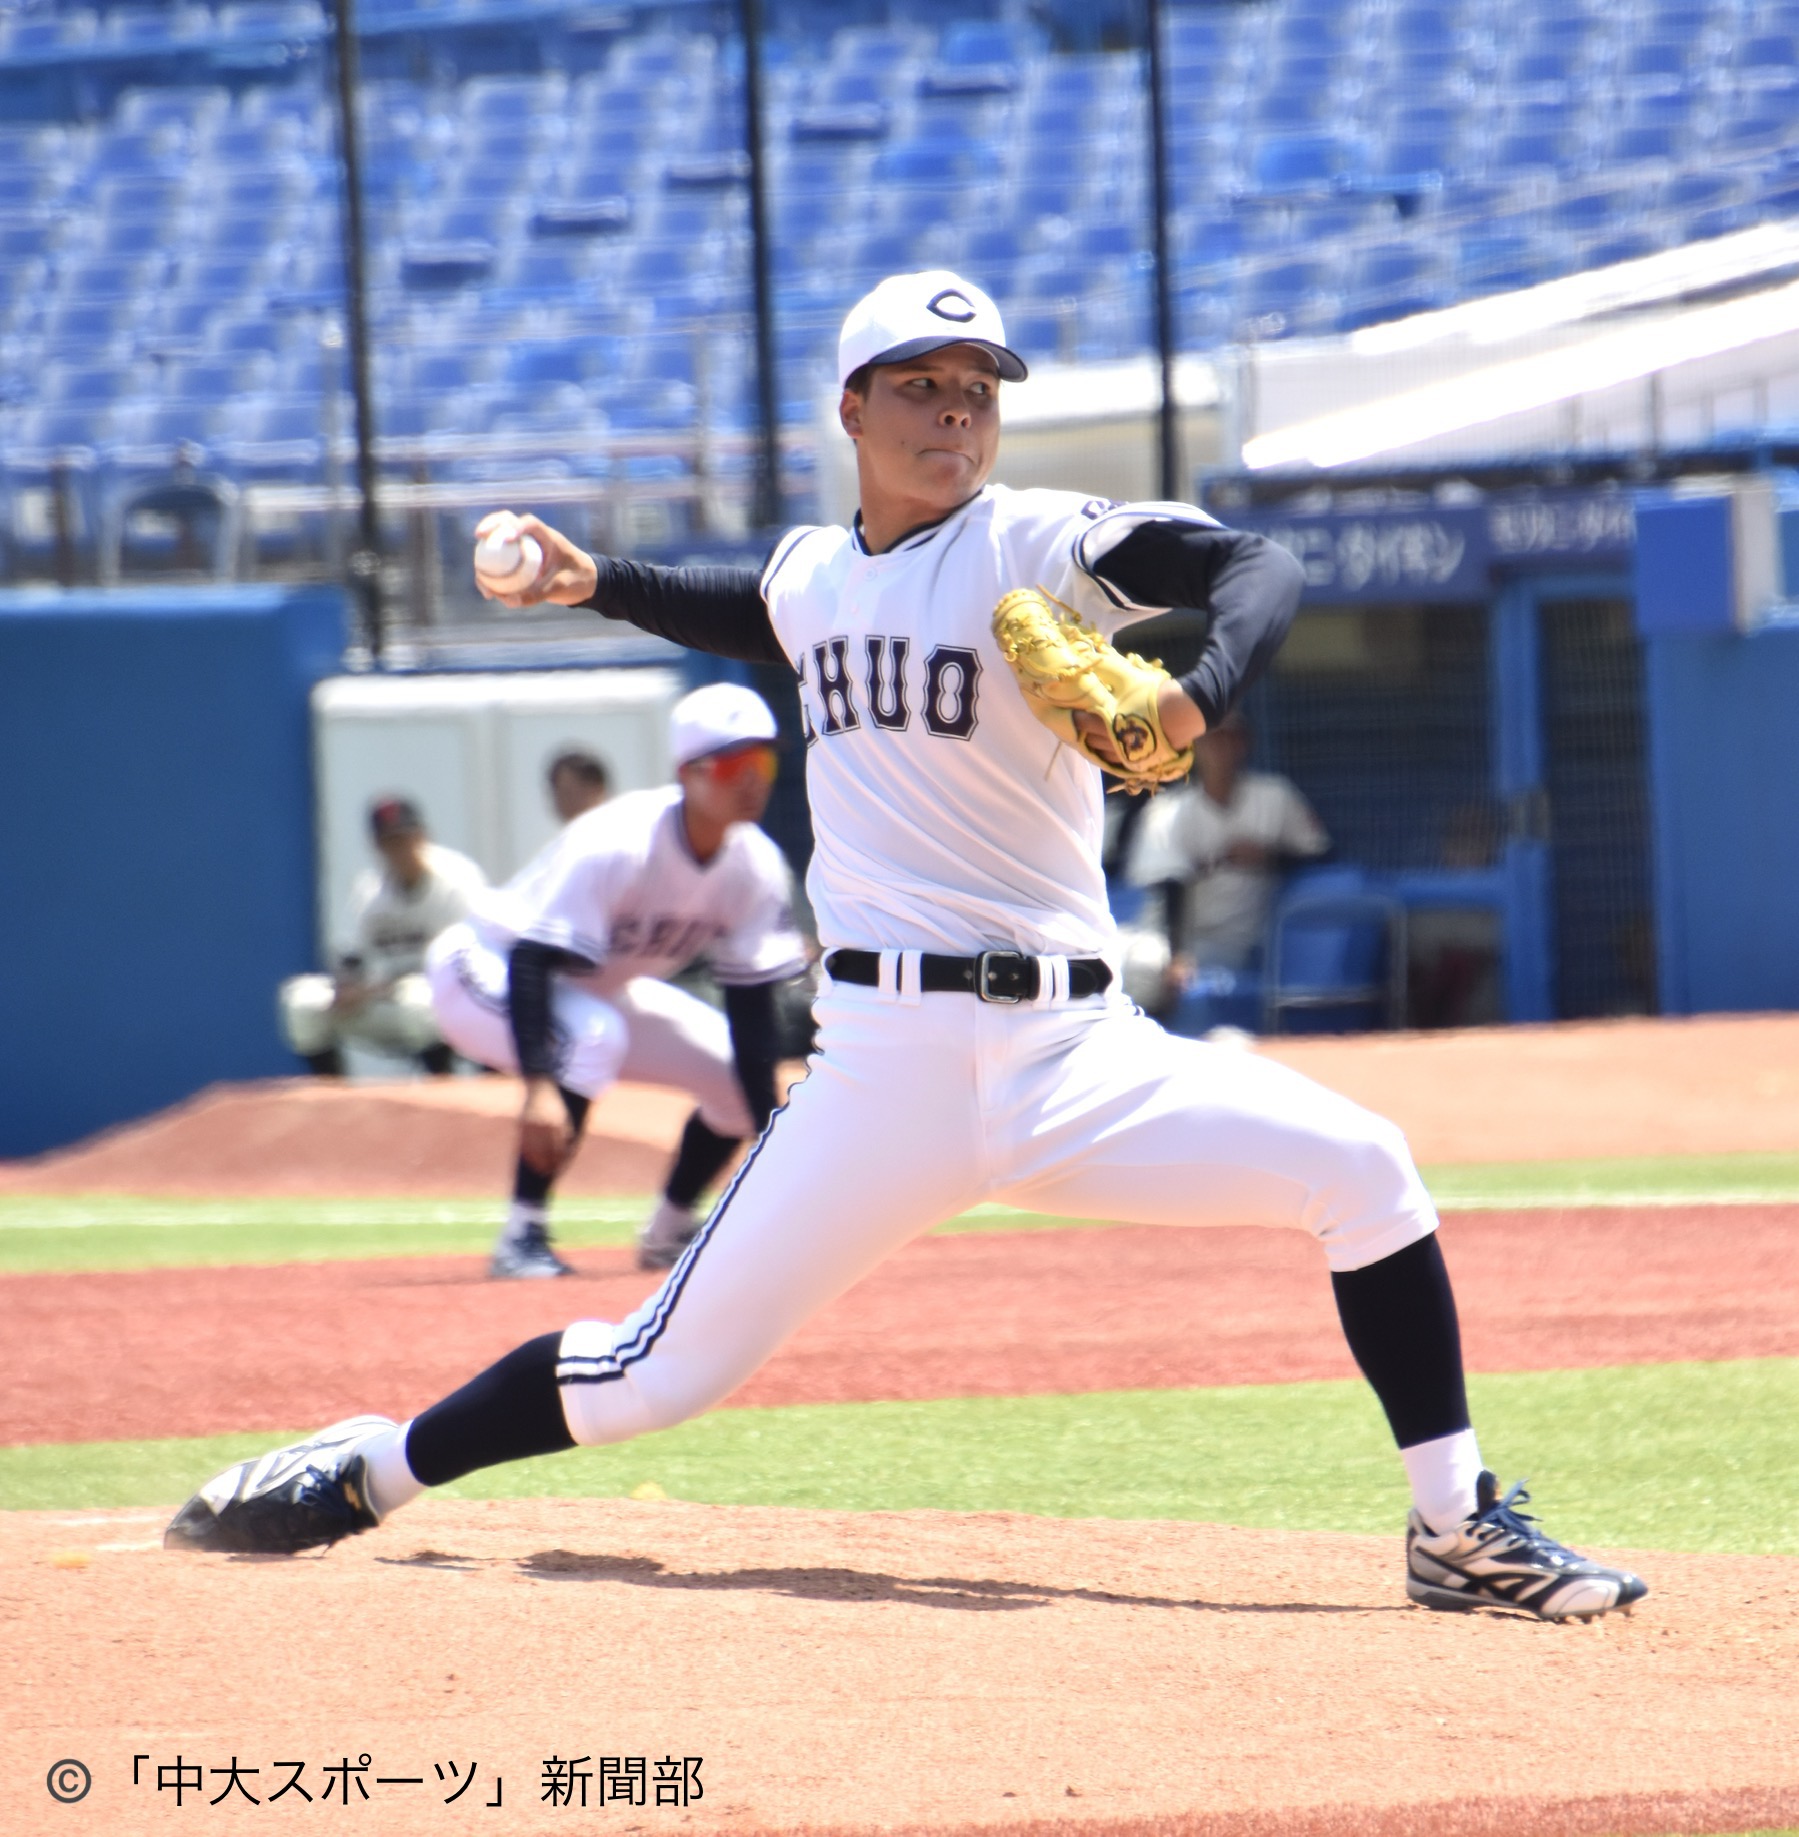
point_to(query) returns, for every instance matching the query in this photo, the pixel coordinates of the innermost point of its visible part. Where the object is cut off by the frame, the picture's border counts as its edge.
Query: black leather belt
(995, 975)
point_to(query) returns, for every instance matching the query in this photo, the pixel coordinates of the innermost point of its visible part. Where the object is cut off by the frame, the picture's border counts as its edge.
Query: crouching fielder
(558, 975)
(972, 1043)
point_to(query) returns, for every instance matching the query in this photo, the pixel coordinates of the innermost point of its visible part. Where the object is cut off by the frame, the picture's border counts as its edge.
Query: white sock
(391, 1482)
(521, 1215)
(668, 1221)
(1443, 1474)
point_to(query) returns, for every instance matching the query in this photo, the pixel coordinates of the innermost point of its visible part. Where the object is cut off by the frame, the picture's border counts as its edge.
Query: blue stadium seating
(568, 222)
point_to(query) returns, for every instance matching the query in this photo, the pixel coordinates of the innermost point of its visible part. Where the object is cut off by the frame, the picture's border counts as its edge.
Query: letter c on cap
(944, 305)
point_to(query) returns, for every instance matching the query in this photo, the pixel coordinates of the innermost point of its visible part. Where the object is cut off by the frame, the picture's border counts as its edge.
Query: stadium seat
(664, 409)
(87, 325)
(1643, 141)
(1282, 109)
(1288, 291)
(272, 19)
(1304, 162)
(1335, 962)
(1425, 27)
(144, 110)
(1666, 61)
(1392, 267)
(1721, 220)
(256, 333)
(147, 29)
(1772, 57)
(1539, 68)
(1587, 213)
(1663, 107)
(152, 426)
(1762, 128)
(1694, 191)
(1630, 246)
(988, 42)
(1532, 151)
(53, 32)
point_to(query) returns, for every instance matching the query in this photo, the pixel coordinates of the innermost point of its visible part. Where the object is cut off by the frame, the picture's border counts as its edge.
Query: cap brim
(1011, 365)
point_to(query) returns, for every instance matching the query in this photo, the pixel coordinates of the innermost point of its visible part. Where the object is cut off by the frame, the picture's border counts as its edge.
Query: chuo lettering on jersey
(833, 678)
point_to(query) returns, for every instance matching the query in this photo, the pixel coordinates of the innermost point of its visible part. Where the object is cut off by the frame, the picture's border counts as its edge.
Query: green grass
(110, 1231)
(119, 1232)
(1675, 1457)
(115, 1231)
(1739, 1179)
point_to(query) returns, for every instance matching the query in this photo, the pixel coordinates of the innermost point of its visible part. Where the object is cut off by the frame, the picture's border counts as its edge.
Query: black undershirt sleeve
(750, 1009)
(528, 972)
(1174, 915)
(720, 610)
(1247, 586)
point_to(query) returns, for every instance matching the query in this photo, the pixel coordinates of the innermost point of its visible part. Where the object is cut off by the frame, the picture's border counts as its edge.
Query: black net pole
(365, 556)
(1174, 488)
(767, 509)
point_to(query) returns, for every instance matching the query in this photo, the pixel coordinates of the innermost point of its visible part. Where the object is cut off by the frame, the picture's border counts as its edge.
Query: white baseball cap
(909, 314)
(710, 719)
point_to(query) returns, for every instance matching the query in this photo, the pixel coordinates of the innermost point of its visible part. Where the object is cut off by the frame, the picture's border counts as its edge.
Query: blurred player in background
(1217, 848)
(377, 996)
(559, 973)
(578, 783)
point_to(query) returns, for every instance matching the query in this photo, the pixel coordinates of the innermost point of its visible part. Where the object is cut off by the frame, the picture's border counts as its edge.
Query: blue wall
(1724, 768)
(156, 843)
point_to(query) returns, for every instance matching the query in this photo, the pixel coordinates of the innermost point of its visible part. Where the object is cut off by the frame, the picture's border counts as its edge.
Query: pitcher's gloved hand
(1067, 671)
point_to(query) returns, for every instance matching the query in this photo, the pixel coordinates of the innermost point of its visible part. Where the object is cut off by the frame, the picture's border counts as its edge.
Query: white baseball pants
(400, 1022)
(914, 1110)
(648, 1031)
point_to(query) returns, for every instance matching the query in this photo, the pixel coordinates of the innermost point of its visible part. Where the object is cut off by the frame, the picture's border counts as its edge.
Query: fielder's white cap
(909, 314)
(710, 719)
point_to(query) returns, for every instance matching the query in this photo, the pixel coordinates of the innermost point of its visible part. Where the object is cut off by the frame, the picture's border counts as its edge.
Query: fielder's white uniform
(1185, 836)
(949, 820)
(620, 888)
(389, 928)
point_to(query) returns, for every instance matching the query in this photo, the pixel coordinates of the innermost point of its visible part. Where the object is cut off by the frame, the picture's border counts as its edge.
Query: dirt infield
(1616, 1088)
(1059, 1311)
(918, 1673)
(846, 1673)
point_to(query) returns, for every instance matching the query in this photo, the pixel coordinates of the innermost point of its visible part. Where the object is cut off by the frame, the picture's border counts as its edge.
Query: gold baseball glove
(1065, 667)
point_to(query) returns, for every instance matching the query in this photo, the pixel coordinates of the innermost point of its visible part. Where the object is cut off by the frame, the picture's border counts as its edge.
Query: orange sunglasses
(736, 763)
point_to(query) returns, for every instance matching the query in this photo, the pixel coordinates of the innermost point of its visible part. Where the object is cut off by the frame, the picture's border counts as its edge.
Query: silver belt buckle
(984, 966)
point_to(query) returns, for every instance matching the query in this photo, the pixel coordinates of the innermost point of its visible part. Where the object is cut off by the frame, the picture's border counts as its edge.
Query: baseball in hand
(507, 560)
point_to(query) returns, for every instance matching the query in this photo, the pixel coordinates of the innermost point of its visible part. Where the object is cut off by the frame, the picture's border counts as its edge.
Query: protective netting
(1381, 715)
(1592, 685)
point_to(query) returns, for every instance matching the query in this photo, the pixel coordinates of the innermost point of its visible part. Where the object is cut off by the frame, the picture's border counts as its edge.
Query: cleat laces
(1523, 1528)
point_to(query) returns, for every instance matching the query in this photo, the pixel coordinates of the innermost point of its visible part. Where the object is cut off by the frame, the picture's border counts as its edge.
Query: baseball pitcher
(961, 700)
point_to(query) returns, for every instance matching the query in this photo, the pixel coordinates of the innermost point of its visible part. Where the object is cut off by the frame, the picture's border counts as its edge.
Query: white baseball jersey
(620, 887)
(390, 925)
(946, 815)
(1186, 836)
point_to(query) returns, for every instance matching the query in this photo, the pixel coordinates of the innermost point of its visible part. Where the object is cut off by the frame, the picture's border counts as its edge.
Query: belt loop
(1052, 982)
(911, 977)
(887, 977)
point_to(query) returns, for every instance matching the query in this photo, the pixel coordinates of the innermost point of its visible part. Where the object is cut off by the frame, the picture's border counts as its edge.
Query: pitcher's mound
(921, 1671)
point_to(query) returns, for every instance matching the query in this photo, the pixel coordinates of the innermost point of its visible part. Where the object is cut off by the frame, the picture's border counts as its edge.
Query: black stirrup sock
(532, 1188)
(1399, 1318)
(510, 1412)
(703, 1153)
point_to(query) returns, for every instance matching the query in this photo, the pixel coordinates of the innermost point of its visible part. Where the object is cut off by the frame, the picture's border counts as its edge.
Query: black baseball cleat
(301, 1497)
(1500, 1557)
